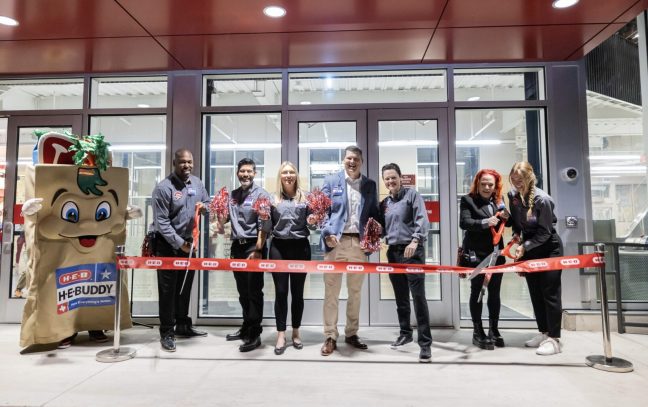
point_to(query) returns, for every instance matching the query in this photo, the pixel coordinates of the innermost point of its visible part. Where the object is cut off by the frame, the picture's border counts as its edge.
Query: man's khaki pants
(347, 249)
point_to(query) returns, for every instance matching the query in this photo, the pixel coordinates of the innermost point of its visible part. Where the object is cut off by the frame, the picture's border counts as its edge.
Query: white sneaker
(549, 346)
(536, 340)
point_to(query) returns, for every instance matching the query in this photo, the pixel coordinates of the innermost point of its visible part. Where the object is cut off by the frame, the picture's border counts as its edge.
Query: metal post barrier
(117, 354)
(606, 362)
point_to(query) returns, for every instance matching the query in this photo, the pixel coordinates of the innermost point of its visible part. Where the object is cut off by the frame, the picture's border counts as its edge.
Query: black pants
(403, 284)
(249, 285)
(545, 288)
(289, 249)
(173, 304)
(494, 303)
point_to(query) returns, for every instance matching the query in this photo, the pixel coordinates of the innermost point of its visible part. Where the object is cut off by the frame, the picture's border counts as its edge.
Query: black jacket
(477, 236)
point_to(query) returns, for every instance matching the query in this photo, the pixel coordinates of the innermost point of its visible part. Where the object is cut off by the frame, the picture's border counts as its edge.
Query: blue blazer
(335, 187)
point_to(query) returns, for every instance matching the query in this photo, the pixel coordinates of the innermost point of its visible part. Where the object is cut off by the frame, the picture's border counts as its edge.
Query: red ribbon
(287, 266)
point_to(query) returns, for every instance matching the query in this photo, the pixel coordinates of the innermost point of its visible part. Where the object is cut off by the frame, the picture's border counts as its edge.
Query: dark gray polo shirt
(245, 222)
(289, 219)
(405, 217)
(174, 205)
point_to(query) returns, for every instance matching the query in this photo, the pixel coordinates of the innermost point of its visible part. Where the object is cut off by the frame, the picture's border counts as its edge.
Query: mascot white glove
(133, 212)
(31, 206)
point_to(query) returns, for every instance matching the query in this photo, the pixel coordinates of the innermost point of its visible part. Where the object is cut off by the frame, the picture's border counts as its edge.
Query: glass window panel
(41, 94)
(228, 138)
(243, 90)
(321, 151)
(496, 139)
(138, 143)
(3, 165)
(499, 84)
(398, 142)
(617, 164)
(129, 92)
(367, 87)
(26, 143)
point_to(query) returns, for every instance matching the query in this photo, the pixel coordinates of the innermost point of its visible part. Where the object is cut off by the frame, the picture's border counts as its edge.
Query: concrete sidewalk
(212, 372)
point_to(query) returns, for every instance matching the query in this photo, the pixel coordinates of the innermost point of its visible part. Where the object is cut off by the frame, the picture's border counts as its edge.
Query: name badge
(337, 191)
(191, 191)
(248, 201)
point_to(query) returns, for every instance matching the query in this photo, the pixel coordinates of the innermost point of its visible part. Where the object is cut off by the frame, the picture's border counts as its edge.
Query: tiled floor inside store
(212, 372)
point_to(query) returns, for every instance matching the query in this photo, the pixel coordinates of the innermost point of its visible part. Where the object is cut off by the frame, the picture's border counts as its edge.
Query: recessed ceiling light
(274, 11)
(305, 102)
(143, 105)
(564, 3)
(4, 20)
(473, 98)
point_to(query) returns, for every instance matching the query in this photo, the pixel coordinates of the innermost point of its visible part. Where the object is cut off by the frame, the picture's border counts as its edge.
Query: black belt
(246, 240)
(351, 234)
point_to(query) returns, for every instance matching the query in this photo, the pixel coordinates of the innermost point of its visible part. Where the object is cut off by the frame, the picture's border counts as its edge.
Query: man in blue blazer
(353, 201)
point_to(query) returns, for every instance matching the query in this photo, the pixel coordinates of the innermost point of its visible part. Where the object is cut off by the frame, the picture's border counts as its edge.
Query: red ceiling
(60, 36)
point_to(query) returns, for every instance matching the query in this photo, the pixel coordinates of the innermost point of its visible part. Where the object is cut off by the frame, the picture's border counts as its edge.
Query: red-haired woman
(477, 218)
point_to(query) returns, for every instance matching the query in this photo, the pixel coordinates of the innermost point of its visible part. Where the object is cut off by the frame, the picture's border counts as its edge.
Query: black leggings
(494, 303)
(289, 249)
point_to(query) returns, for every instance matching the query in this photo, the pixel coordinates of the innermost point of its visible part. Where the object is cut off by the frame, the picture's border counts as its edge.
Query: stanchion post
(606, 362)
(116, 353)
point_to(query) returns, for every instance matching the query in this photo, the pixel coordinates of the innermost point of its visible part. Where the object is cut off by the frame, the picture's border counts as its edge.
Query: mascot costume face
(75, 215)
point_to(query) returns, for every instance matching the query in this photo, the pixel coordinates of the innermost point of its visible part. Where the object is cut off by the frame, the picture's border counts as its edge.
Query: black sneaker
(67, 342)
(401, 340)
(98, 336)
(425, 356)
(168, 343)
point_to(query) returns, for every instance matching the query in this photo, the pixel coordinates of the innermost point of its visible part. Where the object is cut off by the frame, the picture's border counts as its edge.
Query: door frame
(12, 307)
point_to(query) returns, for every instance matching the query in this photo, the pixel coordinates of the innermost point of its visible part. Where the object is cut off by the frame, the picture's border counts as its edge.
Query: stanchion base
(110, 356)
(616, 365)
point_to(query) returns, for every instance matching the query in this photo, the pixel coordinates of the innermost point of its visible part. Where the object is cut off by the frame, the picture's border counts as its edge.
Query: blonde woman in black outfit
(289, 242)
(478, 217)
(533, 220)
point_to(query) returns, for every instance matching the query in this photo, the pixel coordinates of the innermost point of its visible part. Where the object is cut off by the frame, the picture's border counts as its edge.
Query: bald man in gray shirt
(174, 203)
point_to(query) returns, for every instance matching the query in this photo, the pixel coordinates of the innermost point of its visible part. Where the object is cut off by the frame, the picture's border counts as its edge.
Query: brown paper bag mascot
(75, 215)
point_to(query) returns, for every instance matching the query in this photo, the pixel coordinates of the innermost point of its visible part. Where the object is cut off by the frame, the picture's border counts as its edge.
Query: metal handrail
(621, 321)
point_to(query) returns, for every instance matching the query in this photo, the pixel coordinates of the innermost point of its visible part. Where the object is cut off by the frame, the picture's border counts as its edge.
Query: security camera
(569, 174)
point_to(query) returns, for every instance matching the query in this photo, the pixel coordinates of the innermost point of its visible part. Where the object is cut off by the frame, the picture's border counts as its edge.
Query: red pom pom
(318, 204)
(219, 205)
(147, 245)
(262, 207)
(371, 239)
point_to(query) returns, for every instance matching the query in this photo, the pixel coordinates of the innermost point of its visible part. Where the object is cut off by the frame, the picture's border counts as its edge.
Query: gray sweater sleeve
(161, 198)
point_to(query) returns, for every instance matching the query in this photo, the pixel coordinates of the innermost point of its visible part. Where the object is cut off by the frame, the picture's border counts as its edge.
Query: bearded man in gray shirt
(249, 232)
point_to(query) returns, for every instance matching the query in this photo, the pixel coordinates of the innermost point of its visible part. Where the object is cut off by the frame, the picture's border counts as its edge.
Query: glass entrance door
(414, 139)
(17, 155)
(321, 137)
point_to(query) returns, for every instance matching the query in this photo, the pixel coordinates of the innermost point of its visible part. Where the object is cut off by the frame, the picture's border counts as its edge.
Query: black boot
(479, 337)
(494, 334)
